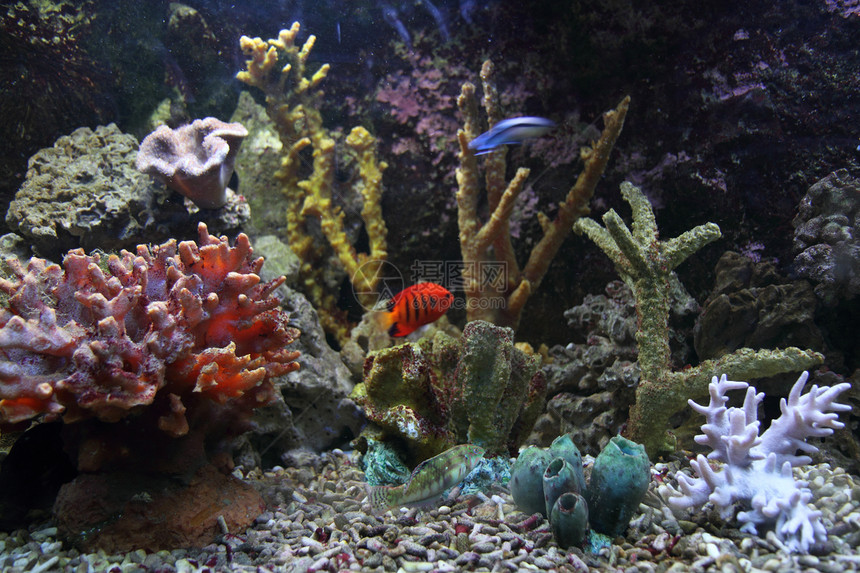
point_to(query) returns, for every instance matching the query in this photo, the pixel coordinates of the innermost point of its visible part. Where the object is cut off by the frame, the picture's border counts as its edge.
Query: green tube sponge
(619, 481)
(569, 520)
(564, 447)
(527, 480)
(559, 478)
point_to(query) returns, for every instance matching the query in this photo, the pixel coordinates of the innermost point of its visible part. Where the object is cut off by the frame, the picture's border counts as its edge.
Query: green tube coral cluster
(551, 482)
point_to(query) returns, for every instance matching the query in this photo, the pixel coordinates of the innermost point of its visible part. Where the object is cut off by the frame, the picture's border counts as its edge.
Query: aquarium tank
(429, 285)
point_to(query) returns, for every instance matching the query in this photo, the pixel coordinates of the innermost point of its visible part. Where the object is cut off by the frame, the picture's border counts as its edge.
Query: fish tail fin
(381, 497)
(384, 320)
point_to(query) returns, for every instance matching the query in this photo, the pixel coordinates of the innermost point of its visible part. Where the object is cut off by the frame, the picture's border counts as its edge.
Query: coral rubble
(647, 265)
(478, 240)
(278, 69)
(756, 468)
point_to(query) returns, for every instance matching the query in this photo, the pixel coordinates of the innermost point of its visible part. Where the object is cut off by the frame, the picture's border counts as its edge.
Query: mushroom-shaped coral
(195, 160)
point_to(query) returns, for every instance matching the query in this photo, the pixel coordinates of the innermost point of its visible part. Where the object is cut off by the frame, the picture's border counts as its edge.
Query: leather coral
(196, 159)
(162, 330)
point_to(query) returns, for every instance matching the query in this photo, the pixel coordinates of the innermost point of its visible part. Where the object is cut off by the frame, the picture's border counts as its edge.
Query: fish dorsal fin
(418, 469)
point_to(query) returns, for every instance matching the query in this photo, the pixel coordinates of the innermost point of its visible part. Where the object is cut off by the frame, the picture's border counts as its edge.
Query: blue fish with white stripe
(511, 132)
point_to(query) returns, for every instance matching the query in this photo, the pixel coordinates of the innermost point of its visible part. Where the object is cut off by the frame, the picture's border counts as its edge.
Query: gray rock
(592, 384)
(314, 411)
(753, 306)
(85, 191)
(12, 245)
(827, 237)
(280, 259)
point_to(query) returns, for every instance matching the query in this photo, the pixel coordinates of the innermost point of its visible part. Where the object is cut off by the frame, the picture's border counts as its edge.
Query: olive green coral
(646, 264)
(444, 391)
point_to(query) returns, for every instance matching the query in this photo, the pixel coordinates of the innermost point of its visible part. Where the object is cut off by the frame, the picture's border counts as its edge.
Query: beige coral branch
(491, 241)
(292, 103)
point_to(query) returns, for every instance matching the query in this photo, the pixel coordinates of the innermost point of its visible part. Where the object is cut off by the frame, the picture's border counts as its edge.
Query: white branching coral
(756, 471)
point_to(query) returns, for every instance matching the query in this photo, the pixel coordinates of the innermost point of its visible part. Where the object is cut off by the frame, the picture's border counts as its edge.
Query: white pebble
(708, 538)
(312, 544)
(713, 550)
(46, 566)
(417, 566)
(845, 509)
(43, 533)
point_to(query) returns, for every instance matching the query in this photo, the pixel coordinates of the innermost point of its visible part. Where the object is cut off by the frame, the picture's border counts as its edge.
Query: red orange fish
(415, 306)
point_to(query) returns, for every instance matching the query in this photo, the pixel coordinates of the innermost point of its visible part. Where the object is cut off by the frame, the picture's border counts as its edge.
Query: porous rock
(827, 237)
(85, 191)
(592, 384)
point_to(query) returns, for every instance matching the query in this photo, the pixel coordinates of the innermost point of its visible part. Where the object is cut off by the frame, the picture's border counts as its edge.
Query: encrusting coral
(647, 265)
(277, 68)
(756, 469)
(431, 395)
(477, 241)
(196, 159)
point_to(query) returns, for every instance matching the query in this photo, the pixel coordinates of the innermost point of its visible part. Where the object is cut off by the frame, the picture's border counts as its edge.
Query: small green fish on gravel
(430, 479)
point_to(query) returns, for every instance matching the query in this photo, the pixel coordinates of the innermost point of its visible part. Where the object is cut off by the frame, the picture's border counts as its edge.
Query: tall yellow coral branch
(278, 68)
(477, 240)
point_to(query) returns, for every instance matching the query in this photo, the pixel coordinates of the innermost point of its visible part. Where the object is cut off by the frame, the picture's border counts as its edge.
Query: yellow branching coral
(278, 68)
(478, 241)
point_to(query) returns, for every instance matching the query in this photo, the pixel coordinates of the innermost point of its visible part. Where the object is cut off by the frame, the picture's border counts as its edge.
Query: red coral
(170, 325)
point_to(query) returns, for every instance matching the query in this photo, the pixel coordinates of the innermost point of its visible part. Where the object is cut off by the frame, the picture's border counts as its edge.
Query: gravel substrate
(318, 520)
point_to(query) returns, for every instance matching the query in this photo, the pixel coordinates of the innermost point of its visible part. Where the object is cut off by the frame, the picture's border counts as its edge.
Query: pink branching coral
(161, 330)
